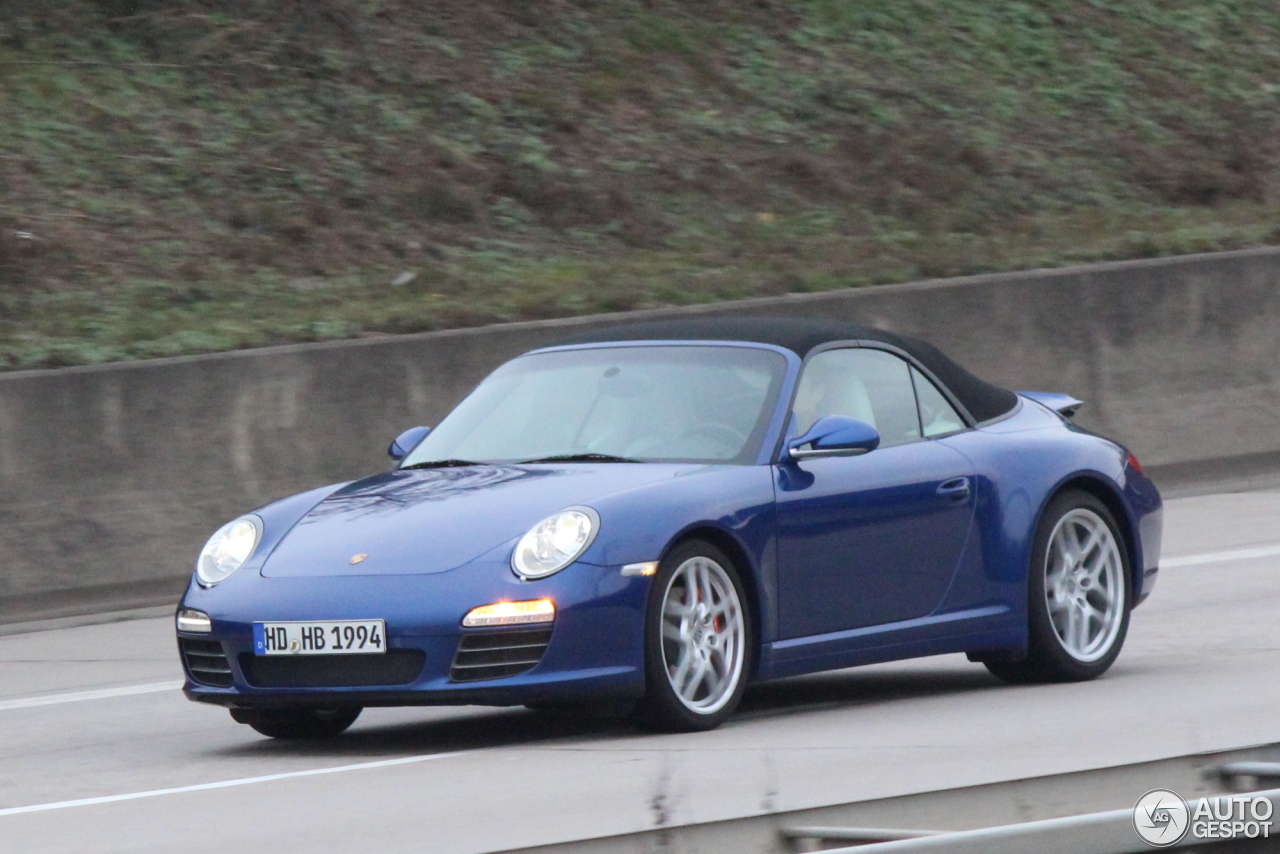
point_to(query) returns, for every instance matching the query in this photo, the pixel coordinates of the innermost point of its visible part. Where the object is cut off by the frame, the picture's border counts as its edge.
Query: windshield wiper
(582, 458)
(442, 464)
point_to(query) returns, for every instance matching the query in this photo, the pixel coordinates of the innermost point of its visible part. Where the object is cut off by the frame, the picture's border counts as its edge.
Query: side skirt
(989, 628)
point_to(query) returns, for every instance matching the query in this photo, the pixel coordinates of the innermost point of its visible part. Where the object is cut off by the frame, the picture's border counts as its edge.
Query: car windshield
(655, 403)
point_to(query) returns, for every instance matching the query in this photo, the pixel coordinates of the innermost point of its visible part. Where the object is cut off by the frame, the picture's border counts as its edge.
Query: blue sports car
(661, 514)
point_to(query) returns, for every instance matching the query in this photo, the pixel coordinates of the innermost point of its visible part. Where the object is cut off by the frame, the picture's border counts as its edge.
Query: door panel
(871, 539)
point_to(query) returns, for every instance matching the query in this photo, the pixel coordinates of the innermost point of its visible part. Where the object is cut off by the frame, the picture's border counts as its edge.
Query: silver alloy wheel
(1084, 585)
(703, 635)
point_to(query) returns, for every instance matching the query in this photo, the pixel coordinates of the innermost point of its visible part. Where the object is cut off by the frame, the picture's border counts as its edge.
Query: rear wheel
(298, 723)
(1077, 592)
(697, 641)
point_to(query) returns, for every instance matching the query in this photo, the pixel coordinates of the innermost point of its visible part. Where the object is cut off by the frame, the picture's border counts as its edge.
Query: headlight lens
(228, 549)
(555, 542)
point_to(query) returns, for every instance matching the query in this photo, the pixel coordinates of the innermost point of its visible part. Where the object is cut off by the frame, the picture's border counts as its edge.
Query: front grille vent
(355, 670)
(498, 654)
(206, 662)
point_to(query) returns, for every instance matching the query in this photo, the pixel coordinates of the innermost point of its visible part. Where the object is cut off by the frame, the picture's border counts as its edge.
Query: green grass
(181, 177)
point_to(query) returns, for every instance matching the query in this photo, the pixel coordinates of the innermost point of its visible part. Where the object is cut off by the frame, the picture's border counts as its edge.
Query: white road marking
(78, 696)
(225, 784)
(1220, 557)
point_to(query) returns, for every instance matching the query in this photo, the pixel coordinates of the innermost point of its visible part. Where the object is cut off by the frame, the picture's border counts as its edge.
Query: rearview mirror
(406, 442)
(834, 436)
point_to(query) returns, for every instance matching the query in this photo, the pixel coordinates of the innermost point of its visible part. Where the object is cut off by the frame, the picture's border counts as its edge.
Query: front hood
(434, 520)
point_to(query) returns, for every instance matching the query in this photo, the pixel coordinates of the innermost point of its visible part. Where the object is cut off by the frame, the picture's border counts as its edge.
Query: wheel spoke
(717, 672)
(690, 690)
(681, 671)
(1073, 627)
(1081, 642)
(1095, 539)
(1100, 604)
(1060, 620)
(1064, 555)
(1073, 542)
(704, 578)
(1073, 622)
(1106, 557)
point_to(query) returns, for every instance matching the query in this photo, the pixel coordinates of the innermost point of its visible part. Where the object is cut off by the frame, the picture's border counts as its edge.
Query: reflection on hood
(400, 489)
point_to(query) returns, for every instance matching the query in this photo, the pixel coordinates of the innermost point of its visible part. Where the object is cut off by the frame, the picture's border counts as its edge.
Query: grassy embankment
(187, 175)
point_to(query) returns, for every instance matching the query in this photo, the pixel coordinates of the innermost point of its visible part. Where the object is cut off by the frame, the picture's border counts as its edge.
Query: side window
(870, 385)
(937, 416)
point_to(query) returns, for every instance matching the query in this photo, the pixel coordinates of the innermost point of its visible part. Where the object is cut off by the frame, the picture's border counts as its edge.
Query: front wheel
(697, 641)
(298, 723)
(1077, 595)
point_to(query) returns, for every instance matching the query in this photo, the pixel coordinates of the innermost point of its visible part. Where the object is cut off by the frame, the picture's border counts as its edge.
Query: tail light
(1132, 462)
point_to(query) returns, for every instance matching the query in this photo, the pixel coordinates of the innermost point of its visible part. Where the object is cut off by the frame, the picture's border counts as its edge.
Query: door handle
(957, 489)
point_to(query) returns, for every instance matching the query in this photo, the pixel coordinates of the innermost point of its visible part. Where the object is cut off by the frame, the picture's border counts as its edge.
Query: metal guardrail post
(1233, 772)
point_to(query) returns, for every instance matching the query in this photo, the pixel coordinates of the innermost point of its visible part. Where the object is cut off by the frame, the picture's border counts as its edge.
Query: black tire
(661, 709)
(1048, 657)
(298, 722)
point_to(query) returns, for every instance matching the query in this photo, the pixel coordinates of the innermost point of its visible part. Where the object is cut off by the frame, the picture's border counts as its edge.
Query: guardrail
(1097, 833)
(1010, 816)
(1110, 832)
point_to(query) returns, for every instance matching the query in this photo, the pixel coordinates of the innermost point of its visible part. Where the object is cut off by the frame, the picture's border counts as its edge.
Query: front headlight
(228, 549)
(555, 542)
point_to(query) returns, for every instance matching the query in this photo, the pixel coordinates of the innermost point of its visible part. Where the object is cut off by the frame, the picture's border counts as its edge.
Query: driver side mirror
(406, 442)
(834, 436)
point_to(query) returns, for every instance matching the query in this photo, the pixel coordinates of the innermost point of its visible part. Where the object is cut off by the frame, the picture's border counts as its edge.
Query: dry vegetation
(188, 175)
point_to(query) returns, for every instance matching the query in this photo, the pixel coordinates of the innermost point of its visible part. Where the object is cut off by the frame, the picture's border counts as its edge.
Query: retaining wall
(112, 477)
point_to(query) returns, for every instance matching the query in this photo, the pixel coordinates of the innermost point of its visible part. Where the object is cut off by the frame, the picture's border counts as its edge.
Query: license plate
(333, 637)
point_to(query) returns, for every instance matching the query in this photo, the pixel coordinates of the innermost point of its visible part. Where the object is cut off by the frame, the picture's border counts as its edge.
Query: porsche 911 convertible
(662, 513)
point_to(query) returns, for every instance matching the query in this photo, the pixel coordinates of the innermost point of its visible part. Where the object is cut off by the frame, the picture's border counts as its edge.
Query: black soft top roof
(983, 400)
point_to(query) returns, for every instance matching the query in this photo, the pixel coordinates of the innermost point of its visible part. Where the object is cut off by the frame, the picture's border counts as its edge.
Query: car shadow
(859, 687)
(445, 731)
(472, 728)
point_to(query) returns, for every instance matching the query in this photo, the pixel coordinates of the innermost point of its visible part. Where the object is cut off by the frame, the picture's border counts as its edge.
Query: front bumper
(595, 648)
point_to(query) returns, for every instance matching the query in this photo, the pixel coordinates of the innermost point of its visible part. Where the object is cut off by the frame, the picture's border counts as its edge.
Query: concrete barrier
(111, 477)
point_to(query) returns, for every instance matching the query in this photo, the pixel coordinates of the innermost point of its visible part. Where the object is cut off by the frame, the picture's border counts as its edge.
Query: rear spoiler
(1064, 404)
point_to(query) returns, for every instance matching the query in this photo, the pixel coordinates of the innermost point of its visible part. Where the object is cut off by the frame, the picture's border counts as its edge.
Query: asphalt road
(100, 752)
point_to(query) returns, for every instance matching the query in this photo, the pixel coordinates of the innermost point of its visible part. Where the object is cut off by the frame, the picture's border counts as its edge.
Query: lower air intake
(206, 662)
(394, 667)
(498, 654)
